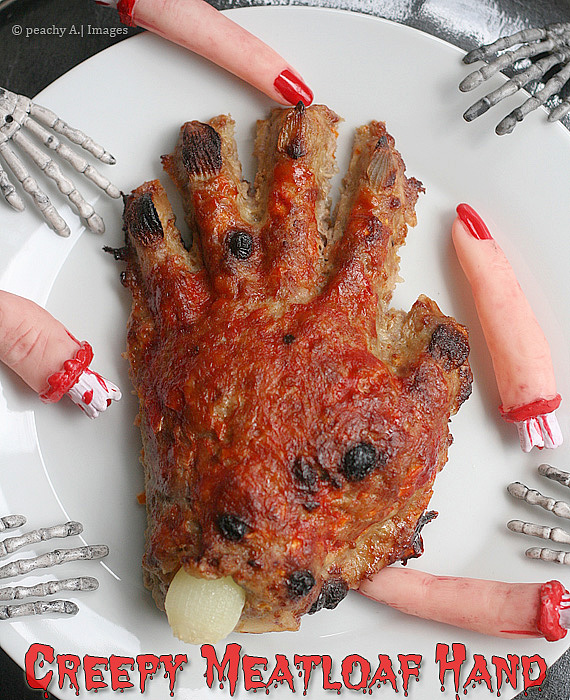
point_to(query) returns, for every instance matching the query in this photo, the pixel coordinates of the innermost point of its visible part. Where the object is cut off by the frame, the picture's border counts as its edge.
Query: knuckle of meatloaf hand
(449, 345)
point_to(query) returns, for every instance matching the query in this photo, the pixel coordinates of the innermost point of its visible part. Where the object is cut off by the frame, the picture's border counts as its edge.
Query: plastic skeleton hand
(550, 46)
(48, 358)
(21, 118)
(559, 508)
(44, 561)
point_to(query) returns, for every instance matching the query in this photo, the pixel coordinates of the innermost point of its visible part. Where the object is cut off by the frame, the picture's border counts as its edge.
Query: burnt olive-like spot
(142, 220)
(292, 137)
(8, 119)
(296, 148)
(300, 583)
(201, 150)
(231, 527)
(240, 244)
(360, 460)
(288, 338)
(305, 473)
(449, 346)
(332, 592)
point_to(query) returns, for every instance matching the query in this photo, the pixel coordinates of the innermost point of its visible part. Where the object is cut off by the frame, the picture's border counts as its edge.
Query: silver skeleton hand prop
(27, 124)
(558, 508)
(549, 46)
(25, 566)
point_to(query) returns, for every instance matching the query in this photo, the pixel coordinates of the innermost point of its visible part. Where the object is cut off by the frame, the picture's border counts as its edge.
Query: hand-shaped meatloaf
(292, 423)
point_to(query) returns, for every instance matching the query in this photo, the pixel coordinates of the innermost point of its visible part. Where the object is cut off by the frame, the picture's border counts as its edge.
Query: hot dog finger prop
(512, 610)
(49, 359)
(518, 348)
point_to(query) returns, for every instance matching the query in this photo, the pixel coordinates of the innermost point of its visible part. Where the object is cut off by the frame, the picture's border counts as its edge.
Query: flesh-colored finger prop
(196, 25)
(495, 608)
(519, 350)
(48, 358)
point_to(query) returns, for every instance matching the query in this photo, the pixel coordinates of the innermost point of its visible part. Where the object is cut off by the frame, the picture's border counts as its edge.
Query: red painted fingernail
(292, 88)
(473, 222)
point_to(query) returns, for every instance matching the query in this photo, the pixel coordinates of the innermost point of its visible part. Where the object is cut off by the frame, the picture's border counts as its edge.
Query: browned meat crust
(292, 424)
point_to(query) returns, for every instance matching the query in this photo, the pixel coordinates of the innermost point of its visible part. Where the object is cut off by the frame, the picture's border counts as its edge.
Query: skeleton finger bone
(50, 119)
(534, 72)
(559, 508)
(48, 588)
(548, 555)
(477, 77)
(66, 607)
(555, 474)
(81, 583)
(11, 522)
(12, 544)
(55, 558)
(66, 187)
(483, 53)
(551, 44)
(556, 534)
(554, 85)
(535, 498)
(18, 115)
(40, 198)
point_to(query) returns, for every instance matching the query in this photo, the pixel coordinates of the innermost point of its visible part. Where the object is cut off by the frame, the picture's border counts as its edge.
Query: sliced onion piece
(203, 611)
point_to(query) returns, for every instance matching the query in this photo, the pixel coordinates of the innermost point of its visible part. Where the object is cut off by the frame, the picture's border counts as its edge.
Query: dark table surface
(30, 63)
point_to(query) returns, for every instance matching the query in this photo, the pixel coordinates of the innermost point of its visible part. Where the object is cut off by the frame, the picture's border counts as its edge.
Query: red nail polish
(126, 9)
(292, 88)
(473, 222)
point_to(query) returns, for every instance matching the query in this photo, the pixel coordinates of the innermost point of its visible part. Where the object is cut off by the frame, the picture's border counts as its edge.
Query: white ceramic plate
(55, 464)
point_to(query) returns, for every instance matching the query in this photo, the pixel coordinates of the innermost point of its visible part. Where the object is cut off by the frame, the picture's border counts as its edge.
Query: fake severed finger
(196, 25)
(551, 44)
(512, 610)
(18, 115)
(49, 359)
(518, 347)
